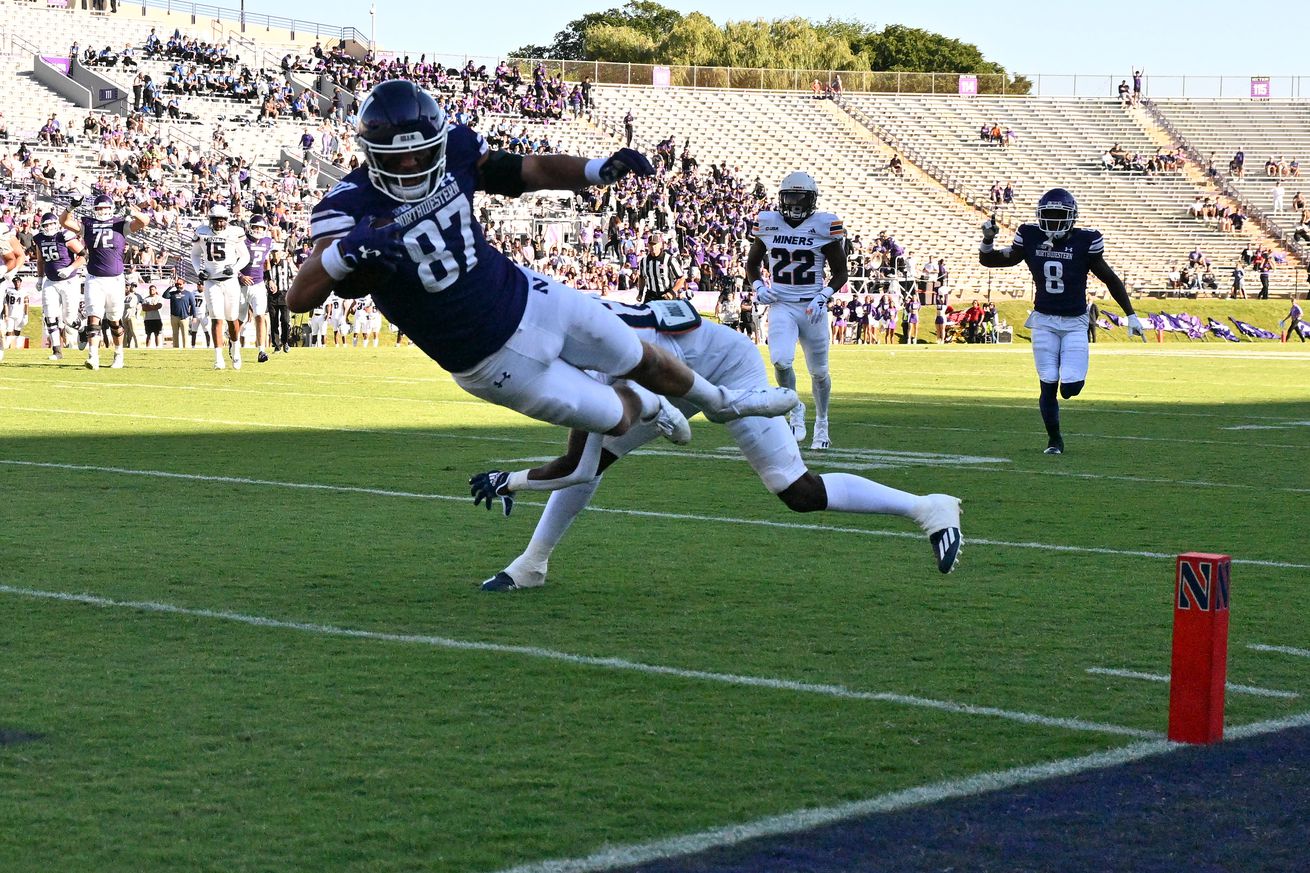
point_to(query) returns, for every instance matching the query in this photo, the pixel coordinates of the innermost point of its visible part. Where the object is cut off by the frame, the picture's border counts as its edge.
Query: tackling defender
(218, 254)
(403, 228)
(722, 355)
(1059, 256)
(60, 257)
(798, 242)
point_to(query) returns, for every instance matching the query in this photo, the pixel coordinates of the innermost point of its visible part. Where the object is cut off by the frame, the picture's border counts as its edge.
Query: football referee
(660, 276)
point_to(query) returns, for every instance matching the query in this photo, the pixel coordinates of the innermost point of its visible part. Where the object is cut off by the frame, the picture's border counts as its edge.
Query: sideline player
(1059, 256)
(104, 235)
(403, 228)
(722, 355)
(218, 253)
(60, 258)
(254, 293)
(13, 302)
(798, 242)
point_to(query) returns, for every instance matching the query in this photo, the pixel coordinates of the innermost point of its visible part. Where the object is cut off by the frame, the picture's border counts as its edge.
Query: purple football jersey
(105, 242)
(259, 249)
(54, 252)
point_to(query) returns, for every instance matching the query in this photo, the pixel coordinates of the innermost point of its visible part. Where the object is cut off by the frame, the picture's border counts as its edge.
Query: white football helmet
(797, 196)
(219, 216)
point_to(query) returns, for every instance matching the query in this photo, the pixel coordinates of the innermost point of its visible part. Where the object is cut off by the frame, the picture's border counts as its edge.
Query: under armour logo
(369, 253)
(501, 381)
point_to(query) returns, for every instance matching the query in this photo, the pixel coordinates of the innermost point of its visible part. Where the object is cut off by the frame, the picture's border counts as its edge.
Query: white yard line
(1158, 677)
(622, 664)
(1233, 443)
(636, 513)
(1281, 650)
(806, 819)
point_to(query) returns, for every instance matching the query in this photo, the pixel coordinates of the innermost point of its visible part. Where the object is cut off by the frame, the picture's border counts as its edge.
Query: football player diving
(403, 229)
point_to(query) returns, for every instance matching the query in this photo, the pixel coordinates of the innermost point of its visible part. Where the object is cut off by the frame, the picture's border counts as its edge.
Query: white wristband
(592, 170)
(986, 246)
(332, 262)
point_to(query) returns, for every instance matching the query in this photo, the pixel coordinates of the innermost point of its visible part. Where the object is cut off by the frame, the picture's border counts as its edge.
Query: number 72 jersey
(1059, 267)
(795, 254)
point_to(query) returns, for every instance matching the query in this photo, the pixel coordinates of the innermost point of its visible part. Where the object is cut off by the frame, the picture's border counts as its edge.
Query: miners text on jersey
(795, 254)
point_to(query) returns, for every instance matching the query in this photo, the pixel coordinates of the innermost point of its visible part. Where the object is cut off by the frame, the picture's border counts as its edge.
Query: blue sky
(1108, 37)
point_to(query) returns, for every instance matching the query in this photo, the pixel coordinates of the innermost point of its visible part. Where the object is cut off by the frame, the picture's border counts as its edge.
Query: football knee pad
(52, 325)
(93, 322)
(1071, 389)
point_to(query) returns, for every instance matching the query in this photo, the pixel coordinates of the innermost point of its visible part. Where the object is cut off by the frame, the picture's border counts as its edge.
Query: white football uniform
(729, 358)
(15, 309)
(796, 271)
(219, 252)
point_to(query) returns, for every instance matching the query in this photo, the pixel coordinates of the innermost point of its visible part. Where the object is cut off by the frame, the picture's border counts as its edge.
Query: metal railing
(246, 20)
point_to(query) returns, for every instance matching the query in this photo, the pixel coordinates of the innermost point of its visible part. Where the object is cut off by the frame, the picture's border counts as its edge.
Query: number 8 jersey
(796, 258)
(1059, 267)
(457, 298)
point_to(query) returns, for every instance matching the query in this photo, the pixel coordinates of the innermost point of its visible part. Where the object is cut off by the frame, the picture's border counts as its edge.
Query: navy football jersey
(54, 252)
(457, 298)
(106, 243)
(1059, 268)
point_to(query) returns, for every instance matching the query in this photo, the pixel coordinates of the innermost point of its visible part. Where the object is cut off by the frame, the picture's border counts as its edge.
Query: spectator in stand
(1237, 166)
(628, 128)
(1239, 282)
(1124, 98)
(895, 167)
(1137, 86)
(1278, 197)
(1266, 268)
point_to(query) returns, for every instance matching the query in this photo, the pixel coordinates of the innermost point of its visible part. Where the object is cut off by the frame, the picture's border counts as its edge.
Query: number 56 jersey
(796, 258)
(457, 298)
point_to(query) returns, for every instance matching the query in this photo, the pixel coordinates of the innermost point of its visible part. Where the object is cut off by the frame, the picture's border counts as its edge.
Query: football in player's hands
(372, 244)
(489, 486)
(623, 162)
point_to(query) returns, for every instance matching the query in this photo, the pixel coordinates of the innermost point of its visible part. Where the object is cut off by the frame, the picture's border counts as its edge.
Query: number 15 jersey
(455, 297)
(796, 258)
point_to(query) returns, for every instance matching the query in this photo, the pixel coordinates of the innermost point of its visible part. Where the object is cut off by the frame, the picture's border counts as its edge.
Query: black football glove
(75, 199)
(369, 245)
(491, 485)
(227, 272)
(623, 162)
(203, 275)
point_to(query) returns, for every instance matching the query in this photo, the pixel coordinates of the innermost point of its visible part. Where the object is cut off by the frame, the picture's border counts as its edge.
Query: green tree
(694, 41)
(646, 16)
(619, 44)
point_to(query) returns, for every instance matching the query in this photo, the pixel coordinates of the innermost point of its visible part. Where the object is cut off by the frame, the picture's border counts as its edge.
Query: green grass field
(278, 657)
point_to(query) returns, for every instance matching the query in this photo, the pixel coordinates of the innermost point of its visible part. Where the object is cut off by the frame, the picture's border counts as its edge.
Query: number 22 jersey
(456, 297)
(796, 258)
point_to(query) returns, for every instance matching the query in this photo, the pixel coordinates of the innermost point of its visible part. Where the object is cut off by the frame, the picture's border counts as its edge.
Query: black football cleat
(1054, 447)
(502, 581)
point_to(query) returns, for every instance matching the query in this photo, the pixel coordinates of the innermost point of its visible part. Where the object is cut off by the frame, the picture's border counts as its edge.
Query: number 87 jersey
(796, 260)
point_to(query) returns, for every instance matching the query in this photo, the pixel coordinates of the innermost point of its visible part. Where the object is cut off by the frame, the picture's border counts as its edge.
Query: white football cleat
(218, 364)
(93, 362)
(797, 421)
(118, 361)
(939, 516)
(745, 402)
(672, 423)
(821, 440)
